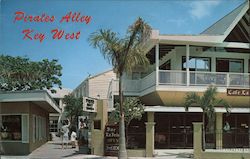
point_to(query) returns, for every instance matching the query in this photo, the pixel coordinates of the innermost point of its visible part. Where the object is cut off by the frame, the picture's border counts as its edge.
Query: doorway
(175, 130)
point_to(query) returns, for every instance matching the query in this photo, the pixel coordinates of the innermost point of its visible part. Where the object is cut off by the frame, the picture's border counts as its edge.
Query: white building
(220, 55)
(95, 86)
(54, 118)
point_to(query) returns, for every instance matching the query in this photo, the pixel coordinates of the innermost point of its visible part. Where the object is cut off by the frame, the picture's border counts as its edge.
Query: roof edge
(90, 77)
(241, 5)
(43, 95)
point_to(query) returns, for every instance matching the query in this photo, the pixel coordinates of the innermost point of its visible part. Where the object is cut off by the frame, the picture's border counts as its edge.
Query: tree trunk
(126, 133)
(203, 132)
(122, 143)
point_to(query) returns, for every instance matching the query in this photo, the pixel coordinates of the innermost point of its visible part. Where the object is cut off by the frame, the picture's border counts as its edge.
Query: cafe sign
(238, 92)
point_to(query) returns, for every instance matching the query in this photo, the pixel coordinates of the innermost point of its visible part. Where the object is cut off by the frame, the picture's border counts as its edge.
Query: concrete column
(213, 64)
(197, 140)
(157, 64)
(97, 135)
(150, 131)
(187, 65)
(219, 127)
(246, 66)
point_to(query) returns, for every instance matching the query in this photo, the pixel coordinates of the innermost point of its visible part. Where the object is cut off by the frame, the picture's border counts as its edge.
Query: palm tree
(207, 102)
(124, 54)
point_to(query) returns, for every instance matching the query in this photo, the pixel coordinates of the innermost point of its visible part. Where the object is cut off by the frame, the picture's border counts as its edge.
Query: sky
(76, 56)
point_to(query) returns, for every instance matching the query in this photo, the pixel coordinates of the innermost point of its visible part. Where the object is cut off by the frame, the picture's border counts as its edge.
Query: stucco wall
(36, 110)
(19, 108)
(14, 108)
(98, 86)
(14, 147)
(98, 134)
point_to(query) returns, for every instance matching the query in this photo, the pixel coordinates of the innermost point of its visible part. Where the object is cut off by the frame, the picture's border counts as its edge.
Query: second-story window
(229, 65)
(197, 64)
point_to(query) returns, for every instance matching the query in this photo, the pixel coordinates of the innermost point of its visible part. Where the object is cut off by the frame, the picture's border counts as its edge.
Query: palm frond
(141, 30)
(225, 104)
(109, 44)
(138, 31)
(136, 57)
(209, 96)
(191, 99)
(207, 102)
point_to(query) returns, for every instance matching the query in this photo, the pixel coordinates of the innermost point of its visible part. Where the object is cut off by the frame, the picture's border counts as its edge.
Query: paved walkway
(174, 154)
(53, 150)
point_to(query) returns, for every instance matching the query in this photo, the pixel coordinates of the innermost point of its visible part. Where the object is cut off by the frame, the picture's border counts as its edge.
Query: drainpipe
(187, 65)
(157, 64)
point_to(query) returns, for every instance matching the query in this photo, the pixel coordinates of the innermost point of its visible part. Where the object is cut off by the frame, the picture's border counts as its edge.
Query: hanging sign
(238, 92)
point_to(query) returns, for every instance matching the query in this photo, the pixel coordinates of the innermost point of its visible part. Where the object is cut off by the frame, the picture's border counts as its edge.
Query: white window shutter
(25, 128)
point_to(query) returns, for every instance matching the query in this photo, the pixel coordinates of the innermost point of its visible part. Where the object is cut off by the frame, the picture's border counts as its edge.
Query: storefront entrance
(175, 130)
(236, 132)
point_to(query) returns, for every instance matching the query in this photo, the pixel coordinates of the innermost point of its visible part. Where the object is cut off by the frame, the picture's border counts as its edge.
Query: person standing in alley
(73, 137)
(81, 132)
(65, 133)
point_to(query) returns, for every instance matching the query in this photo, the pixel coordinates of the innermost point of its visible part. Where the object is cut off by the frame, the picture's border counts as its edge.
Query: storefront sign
(89, 104)
(111, 138)
(238, 92)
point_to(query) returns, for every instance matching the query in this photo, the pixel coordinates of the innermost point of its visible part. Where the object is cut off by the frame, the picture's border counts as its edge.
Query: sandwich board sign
(111, 140)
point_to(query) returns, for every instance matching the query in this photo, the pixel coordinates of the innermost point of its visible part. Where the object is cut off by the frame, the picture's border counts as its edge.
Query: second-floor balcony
(220, 79)
(178, 78)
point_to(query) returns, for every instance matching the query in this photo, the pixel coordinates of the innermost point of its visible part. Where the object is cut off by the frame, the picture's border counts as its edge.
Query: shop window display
(10, 127)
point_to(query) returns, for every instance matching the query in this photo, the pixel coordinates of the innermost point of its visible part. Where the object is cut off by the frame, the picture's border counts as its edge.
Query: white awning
(39, 97)
(159, 109)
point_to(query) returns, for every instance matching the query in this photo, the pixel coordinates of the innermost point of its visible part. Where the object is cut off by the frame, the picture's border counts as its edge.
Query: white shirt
(73, 136)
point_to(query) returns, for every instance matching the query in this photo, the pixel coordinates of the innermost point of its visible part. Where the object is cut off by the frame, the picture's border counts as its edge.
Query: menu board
(111, 140)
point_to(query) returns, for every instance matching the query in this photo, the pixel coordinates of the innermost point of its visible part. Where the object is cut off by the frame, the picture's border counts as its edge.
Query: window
(229, 65)
(237, 134)
(97, 124)
(53, 125)
(39, 128)
(25, 128)
(44, 128)
(11, 127)
(197, 64)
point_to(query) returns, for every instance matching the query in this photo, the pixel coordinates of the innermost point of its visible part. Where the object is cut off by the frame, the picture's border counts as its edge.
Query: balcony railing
(172, 77)
(179, 78)
(220, 79)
